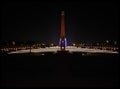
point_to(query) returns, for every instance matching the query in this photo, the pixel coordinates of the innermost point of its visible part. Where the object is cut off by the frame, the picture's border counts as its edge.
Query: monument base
(62, 51)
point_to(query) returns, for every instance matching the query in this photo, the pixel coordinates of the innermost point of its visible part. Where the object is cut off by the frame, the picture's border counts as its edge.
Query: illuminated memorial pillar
(62, 42)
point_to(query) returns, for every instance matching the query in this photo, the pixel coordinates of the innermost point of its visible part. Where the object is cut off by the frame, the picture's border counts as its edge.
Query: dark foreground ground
(59, 70)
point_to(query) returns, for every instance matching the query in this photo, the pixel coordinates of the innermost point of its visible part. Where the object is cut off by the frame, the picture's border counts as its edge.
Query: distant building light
(51, 44)
(115, 42)
(107, 41)
(74, 44)
(97, 43)
(13, 42)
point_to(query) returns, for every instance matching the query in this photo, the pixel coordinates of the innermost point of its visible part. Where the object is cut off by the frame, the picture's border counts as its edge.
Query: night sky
(40, 21)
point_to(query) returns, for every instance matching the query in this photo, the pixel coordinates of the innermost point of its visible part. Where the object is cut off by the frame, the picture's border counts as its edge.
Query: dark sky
(40, 21)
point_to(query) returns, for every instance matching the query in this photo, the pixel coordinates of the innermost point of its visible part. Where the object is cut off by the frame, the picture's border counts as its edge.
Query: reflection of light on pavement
(42, 54)
(70, 48)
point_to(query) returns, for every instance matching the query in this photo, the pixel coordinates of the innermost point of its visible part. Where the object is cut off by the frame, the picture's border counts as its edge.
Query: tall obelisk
(62, 35)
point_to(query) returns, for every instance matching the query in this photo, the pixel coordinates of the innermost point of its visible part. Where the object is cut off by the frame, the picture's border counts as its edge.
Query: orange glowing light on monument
(62, 26)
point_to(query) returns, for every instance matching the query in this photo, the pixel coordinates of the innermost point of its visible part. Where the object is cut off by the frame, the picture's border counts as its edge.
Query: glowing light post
(63, 41)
